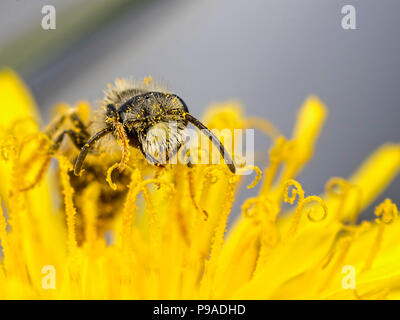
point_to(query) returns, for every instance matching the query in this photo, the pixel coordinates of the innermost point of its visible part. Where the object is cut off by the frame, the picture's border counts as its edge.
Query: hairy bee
(131, 113)
(135, 114)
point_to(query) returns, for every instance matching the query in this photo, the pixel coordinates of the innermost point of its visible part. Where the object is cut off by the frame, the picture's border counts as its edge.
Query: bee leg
(55, 126)
(49, 131)
(78, 123)
(76, 137)
(79, 135)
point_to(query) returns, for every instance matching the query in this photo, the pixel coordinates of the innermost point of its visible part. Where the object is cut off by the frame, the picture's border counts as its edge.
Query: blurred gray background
(270, 54)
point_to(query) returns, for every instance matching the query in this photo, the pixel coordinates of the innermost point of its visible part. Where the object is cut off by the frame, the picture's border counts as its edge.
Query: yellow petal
(377, 172)
(308, 127)
(15, 99)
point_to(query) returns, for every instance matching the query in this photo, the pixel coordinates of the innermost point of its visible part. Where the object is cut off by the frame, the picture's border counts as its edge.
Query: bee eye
(111, 111)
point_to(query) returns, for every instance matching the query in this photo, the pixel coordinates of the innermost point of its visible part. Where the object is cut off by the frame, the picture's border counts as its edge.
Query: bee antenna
(86, 148)
(214, 139)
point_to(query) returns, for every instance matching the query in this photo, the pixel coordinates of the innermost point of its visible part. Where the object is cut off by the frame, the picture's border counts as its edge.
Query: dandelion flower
(167, 238)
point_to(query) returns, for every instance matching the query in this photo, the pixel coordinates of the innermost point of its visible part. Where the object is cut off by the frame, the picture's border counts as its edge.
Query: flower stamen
(70, 211)
(264, 126)
(125, 145)
(388, 212)
(302, 203)
(258, 177)
(193, 196)
(339, 187)
(109, 177)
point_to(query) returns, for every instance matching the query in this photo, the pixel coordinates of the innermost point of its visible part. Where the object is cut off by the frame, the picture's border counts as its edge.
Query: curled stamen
(44, 148)
(38, 177)
(301, 205)
(388, 212)
(210, 173)
(257, 178)
(311, 211)
(110, 170)
(125, 145)
(8, 147)
(109, 178)
(271, 207)
(337, 186)
(23, 120)
(213, 179)
(247, 206)
(297, 190)
(46, 154)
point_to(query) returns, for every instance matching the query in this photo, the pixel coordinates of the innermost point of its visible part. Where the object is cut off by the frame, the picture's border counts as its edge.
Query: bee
(134, 114)
(140, 116)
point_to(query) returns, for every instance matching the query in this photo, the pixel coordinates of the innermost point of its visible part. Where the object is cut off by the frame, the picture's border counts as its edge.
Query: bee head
(145, 110)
